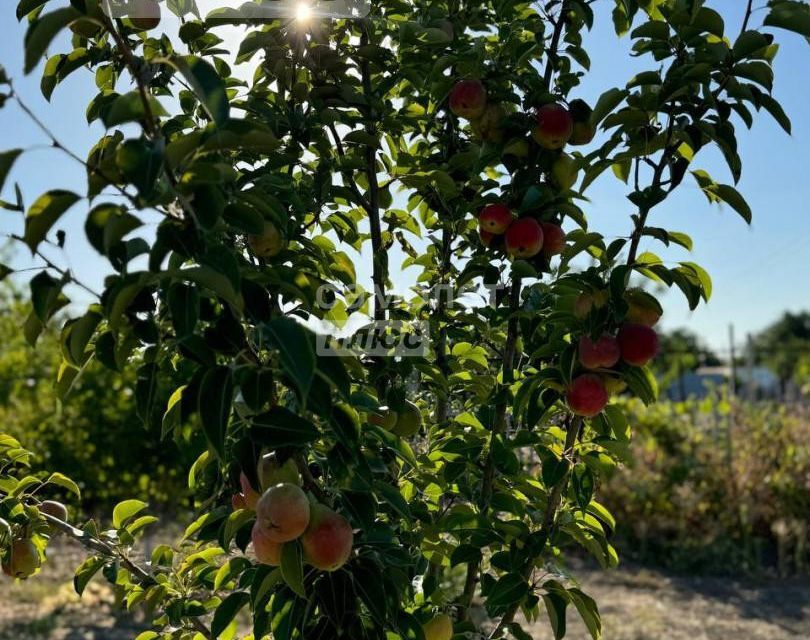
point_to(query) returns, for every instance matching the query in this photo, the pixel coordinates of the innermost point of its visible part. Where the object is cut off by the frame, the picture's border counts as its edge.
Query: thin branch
(49, 264)
(99, 546)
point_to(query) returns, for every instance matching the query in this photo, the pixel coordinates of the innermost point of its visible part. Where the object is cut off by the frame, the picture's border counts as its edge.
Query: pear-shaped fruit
(439, 628)
(271, 472)
(328, 540)
(282, 513)
(409, 420)
(22, 560)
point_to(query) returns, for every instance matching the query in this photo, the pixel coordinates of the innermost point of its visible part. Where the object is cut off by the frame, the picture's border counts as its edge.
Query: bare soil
(636, 604)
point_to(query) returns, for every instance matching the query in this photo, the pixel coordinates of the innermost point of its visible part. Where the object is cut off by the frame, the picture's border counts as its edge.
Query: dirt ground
(636, 604)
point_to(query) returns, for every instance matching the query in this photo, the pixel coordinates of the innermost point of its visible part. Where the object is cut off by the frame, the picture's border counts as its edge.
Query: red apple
(554, 126)
(638, 343)
(328, 541)
(524, 238)
(267, 551)
(587, 396)
(553, 238)
(495, 218)
(282, 513)
(468, 99)
(604, 353)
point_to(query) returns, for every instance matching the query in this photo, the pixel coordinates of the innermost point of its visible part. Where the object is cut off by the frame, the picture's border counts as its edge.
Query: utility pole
(732, 383)
(749, 365)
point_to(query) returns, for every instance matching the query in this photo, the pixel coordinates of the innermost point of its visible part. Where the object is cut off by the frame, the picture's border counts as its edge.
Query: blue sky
(758, 271)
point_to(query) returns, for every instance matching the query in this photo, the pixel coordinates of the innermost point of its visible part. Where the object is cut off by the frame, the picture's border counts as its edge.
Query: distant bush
(712, 488)
(93, 433)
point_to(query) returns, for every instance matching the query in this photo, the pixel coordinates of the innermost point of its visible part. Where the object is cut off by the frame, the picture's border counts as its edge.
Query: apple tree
(259, 175)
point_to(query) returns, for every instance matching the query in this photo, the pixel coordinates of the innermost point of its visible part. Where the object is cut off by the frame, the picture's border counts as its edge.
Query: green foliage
(342, 139)
(715, 490)
(91, 434)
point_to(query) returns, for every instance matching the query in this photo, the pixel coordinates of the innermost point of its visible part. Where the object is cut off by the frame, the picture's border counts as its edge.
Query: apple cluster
(284, 513)
(521, 238)
(635, 343)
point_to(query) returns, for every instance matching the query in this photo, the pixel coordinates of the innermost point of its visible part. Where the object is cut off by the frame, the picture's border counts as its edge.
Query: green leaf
(126, 510)
(207, 84)
(44, 213)
(214, 405)
(106, 226)
(776, 110)
(130, 107)
(63, 481)
(510, 589)
(41, 33)
(46, 296)
(748, 43)
(184, 305)
(292, 567)
(556, 606)
(588, 611)
(27, 6)
(607, 102)
(86, 571)
(226, 612)
(792, 16)
(280, 427)
(296, 350)
(7, 160)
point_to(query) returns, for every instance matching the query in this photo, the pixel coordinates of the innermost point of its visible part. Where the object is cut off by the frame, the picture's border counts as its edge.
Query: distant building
(755, 383)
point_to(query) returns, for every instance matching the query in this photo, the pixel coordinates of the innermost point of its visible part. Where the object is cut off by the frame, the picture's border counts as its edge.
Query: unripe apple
(614, 385)
(553, 127)
(267, 244)
(329, 539)
(583, 130)
(524, 238)
(587, 301)
(553, 239)
(384, 417)
(586, 395)
(439, 628)
(495, 218)
(565, 172)
(251, 496)
(643, 308)
(23, 560)
(267, 551)
(638, 343)
(271, 473)
(54, 509)
(518, 148)
(604, 353)
(488, 127)
(144, 14)
(468, 99)
(409, 420)
(282, 513)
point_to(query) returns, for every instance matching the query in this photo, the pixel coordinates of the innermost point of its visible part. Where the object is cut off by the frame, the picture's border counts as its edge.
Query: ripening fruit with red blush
(283, 512)
(587, 395)
(604, 353)
(250, 495)
(553, 127)
(524, 238)
(495, 218)
(267, 552)
(553, 238)
(638, 344)
(468, 99)
(329, 539)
